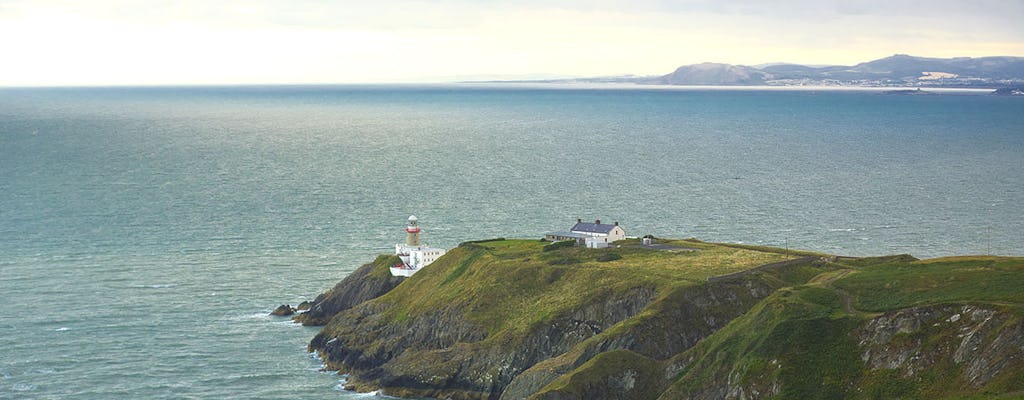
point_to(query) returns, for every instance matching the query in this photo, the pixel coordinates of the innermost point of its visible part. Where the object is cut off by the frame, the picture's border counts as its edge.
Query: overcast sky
(119, 42)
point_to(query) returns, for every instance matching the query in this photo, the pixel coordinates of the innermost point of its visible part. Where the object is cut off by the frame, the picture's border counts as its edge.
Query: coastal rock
(981, 341)
(304, 306)
(365, 283)
(283, 310)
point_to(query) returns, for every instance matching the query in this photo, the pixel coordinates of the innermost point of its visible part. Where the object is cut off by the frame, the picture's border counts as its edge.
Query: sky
(139, 42)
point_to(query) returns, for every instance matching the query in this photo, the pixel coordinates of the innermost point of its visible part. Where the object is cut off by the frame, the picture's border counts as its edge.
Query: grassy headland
(507, 319)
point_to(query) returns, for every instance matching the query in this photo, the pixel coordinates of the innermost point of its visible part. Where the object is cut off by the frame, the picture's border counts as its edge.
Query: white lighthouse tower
(413, 252)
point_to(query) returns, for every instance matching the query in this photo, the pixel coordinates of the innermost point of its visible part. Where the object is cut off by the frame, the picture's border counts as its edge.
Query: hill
(514, 319)
(900, 69)
(896, 70)
(712, 74)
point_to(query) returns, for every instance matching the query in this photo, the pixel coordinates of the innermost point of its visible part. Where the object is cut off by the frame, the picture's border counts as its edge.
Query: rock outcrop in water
(506, 320)
(283, 310)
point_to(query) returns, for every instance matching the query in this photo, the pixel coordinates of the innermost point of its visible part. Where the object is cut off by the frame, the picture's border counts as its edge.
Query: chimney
(578, 220)
(597, 221)
(616, 223)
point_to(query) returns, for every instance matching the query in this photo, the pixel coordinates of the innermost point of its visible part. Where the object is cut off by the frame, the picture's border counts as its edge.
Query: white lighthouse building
(414, 254)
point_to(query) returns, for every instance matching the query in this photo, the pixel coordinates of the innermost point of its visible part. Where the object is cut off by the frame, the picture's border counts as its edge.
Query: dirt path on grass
(826, 279)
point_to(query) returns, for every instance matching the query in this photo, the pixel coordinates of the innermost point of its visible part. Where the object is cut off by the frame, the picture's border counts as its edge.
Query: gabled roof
(591, 227)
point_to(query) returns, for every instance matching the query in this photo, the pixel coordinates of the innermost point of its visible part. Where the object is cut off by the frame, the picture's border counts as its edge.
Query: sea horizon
(528, 84)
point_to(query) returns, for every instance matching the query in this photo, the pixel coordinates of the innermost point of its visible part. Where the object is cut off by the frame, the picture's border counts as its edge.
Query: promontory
(676, 319)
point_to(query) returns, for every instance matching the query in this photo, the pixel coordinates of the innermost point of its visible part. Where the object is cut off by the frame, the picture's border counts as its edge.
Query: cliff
(365, 283)
(509, 320)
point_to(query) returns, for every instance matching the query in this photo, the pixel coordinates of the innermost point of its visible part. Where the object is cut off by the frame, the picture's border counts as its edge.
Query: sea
(147, 232)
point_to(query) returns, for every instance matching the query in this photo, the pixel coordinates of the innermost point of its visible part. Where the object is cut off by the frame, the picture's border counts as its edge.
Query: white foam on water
(62, 329)
(253, 316)
(288, 322)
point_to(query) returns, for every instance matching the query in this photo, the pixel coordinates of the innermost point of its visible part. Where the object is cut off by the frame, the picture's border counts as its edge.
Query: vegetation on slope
(894, 285)
(951, 328)
(512, 285)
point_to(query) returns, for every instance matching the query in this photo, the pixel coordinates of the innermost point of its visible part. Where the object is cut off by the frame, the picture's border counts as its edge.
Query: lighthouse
(413, 253)
(412, 232)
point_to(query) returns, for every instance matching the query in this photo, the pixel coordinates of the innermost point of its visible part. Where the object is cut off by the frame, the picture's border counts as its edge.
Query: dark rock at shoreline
(304, 306)
(908, 92)
(283, 310)
(1009, 91)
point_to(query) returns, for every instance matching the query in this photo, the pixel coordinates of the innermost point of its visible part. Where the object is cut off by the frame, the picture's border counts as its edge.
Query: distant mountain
(899, 69)
(903, 66)
(712, 74)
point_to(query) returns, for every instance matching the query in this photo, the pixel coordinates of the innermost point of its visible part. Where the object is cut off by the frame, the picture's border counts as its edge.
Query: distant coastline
(775, 88)
(897, 71)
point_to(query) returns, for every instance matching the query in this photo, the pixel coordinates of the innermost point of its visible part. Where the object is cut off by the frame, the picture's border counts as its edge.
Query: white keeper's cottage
(414, 254)
(593, 235)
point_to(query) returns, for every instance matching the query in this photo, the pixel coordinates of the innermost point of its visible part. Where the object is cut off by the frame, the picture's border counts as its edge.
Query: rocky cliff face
(442, 354)
(671, 325)
(812, 341)
(929, 352)
(981, 342)
(365, 283)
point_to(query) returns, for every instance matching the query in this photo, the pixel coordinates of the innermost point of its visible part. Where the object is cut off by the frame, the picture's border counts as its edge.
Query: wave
(155, 286)
(252, 316)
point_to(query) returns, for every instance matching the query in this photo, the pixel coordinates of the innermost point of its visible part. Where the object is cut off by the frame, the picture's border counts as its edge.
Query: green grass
(620, 374)
(461, 267)
(510, 285)
(802, 338)
(780, 250)
(793, 336)
(899, 284)
(382, 266)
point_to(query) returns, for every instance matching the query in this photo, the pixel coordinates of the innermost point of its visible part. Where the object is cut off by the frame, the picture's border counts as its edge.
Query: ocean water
(145, 233)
